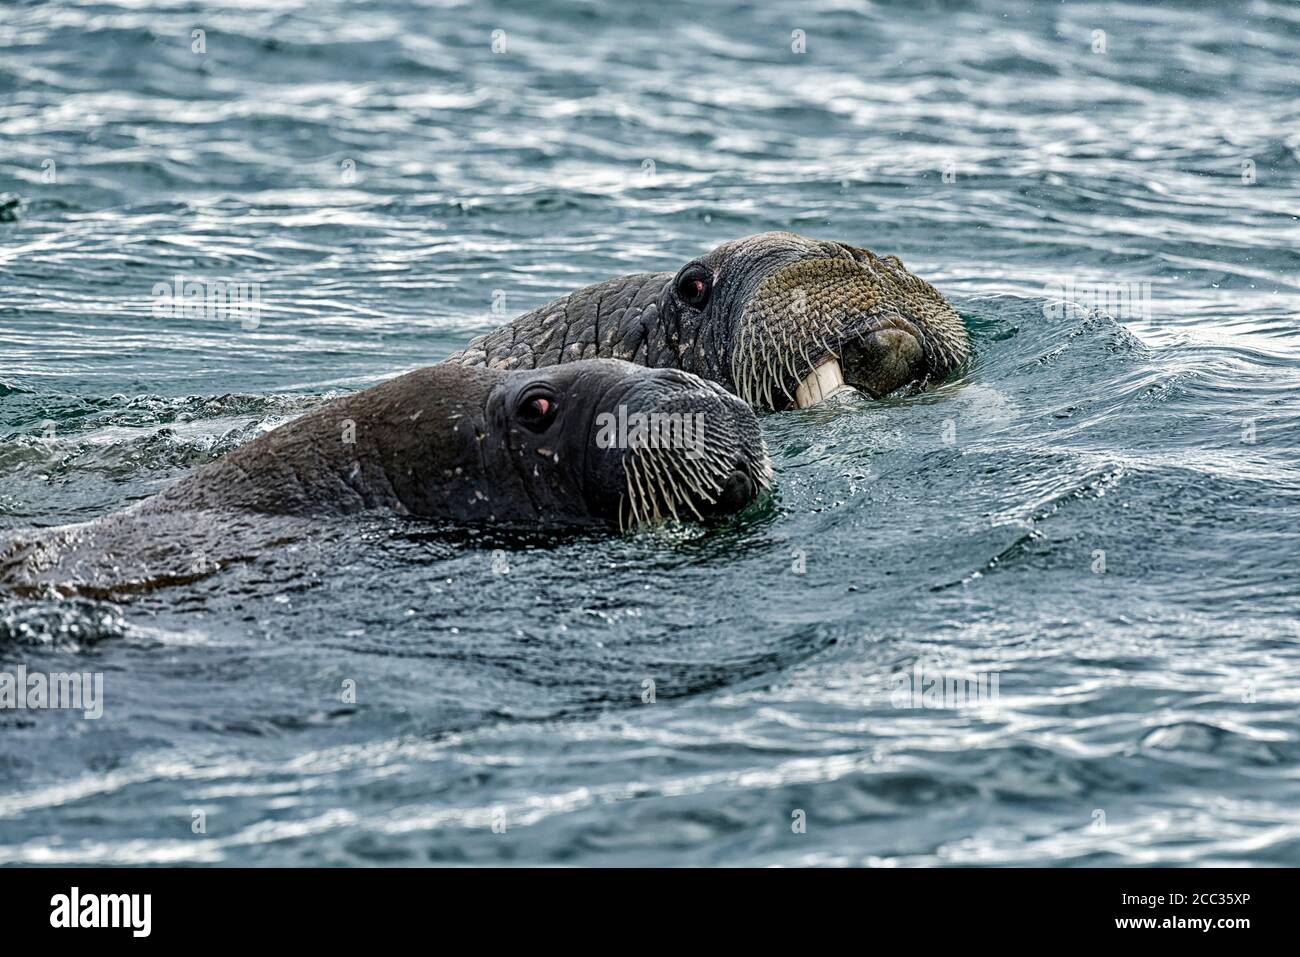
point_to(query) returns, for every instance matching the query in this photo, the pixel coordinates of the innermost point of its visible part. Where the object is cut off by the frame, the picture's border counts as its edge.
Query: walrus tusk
(822, 383)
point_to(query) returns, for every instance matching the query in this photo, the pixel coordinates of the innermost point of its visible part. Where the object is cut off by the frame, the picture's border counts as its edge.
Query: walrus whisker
(685, 486)
(650, 493)
(740, 373)
(643, 515)
(642, 511)
(665, 487)
(699, 479)
(709, 472)
(688, 498)
(648, 498)
(803, 353)
(633, 511)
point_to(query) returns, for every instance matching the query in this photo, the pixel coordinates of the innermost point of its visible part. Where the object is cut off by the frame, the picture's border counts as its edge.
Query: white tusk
(822, 383)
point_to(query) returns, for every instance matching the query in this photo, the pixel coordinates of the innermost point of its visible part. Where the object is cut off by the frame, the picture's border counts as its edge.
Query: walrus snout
(881, 359)
(689, 450)
(826, 321)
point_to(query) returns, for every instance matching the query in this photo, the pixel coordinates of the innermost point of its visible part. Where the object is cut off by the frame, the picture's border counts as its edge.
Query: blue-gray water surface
(1100, 512)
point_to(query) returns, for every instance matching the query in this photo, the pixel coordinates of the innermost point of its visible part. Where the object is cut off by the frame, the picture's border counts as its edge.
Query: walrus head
(778, 319)
(601, 441)
(627, 445)
(784, 320)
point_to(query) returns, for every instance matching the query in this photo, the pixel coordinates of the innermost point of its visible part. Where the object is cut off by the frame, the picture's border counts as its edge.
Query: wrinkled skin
(756, 315)
(444, 443)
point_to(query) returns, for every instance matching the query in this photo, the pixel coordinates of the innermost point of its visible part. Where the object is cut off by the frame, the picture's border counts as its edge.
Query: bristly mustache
(663, 483)
(789, 315)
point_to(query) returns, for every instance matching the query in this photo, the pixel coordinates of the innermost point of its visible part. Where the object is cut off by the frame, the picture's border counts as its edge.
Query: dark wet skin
(756, 315)
(446, 443)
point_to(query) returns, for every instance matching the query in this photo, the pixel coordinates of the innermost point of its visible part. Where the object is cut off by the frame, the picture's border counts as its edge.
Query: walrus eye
(694, 285)
(537, 410)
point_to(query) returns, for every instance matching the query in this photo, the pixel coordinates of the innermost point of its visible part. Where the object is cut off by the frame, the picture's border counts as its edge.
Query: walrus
(778, 319)
(594, 443)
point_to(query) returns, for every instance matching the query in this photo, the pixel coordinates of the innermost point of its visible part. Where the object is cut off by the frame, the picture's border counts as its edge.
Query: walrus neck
(621, 318)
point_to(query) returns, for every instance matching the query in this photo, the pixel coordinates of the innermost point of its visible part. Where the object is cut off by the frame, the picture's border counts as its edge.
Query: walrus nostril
(738, 490)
